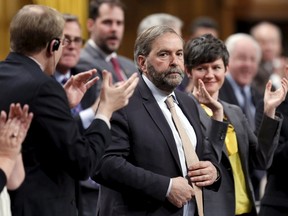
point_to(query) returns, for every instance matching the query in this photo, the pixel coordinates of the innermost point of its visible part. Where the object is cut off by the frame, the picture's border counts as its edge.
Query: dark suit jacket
(135, 172)
(251, 154)
(91, 58)
(227, 94)
(55, 155)
(276, 191)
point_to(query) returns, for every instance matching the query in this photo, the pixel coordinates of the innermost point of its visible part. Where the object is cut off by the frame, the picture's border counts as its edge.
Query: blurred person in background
(245, 56)
(106, 24)
(204, 25)
(161, 19)
(272, 65)
(199, 26)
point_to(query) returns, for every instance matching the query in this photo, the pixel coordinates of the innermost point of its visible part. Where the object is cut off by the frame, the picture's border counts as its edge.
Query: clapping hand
(13, 130)
(77, 86)
(205, 98)
(272, 99)
(114, 97)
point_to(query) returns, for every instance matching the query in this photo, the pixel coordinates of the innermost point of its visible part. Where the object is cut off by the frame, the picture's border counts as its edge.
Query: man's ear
(54, 45)
(141, 62)
(90, 24)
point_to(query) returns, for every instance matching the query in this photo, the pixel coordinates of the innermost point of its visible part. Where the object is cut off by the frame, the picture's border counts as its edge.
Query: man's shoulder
(128, 65)
(184, 97)
(126, 60)
(88, 52)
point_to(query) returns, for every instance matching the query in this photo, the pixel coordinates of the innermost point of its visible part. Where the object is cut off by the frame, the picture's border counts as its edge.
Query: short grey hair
(232, 40)
(143, 43)
(159, 19)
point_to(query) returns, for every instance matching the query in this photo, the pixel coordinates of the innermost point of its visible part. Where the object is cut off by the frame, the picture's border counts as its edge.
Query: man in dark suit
(84, 112)
(143, 171)
(245, 56)
(55, 155)
(106, 28)
(273, 62)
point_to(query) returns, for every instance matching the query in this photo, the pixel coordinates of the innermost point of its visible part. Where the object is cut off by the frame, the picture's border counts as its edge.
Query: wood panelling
(7, 11)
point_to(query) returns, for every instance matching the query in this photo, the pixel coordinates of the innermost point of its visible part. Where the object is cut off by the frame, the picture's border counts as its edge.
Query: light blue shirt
(239, 95)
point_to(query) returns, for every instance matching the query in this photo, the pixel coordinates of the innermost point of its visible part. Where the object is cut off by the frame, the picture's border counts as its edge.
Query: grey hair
(143, 43)
(159, 19)
(232, 40)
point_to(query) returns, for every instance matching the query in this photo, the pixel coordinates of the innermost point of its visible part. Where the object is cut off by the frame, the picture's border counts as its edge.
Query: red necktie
(117, 69)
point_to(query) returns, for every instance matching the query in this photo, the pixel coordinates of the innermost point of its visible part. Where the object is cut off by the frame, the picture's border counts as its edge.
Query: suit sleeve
(118, 172)
(77, 154)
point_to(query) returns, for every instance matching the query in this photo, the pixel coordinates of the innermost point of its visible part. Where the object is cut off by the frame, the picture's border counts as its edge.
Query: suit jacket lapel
(101, 63)
(156, 114)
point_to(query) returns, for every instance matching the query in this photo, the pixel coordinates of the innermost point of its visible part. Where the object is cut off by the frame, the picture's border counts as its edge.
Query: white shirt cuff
(87, 117)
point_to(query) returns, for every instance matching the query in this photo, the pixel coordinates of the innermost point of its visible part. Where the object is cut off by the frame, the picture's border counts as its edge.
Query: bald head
(269, 37)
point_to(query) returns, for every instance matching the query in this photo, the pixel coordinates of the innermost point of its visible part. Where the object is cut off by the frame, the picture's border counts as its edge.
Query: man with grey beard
(143, 171)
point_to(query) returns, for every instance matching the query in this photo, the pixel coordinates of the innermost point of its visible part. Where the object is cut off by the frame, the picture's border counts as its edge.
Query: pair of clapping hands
(14, 126)
(272, 99)
(112, 96)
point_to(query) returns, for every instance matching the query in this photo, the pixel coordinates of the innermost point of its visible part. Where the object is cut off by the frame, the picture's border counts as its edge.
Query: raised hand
(13, 130)
(205, 98)
(272, 99)
(114, 97)
(77, 86)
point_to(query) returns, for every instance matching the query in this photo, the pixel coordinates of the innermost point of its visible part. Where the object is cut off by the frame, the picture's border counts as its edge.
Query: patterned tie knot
(170, 102)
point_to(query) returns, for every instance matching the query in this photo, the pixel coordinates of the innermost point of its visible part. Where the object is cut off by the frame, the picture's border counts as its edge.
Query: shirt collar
(59, 77)
(235, 86)
(158, 94)
(106, 56)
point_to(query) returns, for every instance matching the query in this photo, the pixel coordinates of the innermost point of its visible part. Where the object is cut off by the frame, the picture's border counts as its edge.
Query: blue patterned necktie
(247, 110)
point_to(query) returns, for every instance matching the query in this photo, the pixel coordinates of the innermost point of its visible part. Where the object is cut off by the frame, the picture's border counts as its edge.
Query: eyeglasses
(69, 40)
(65, 42)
